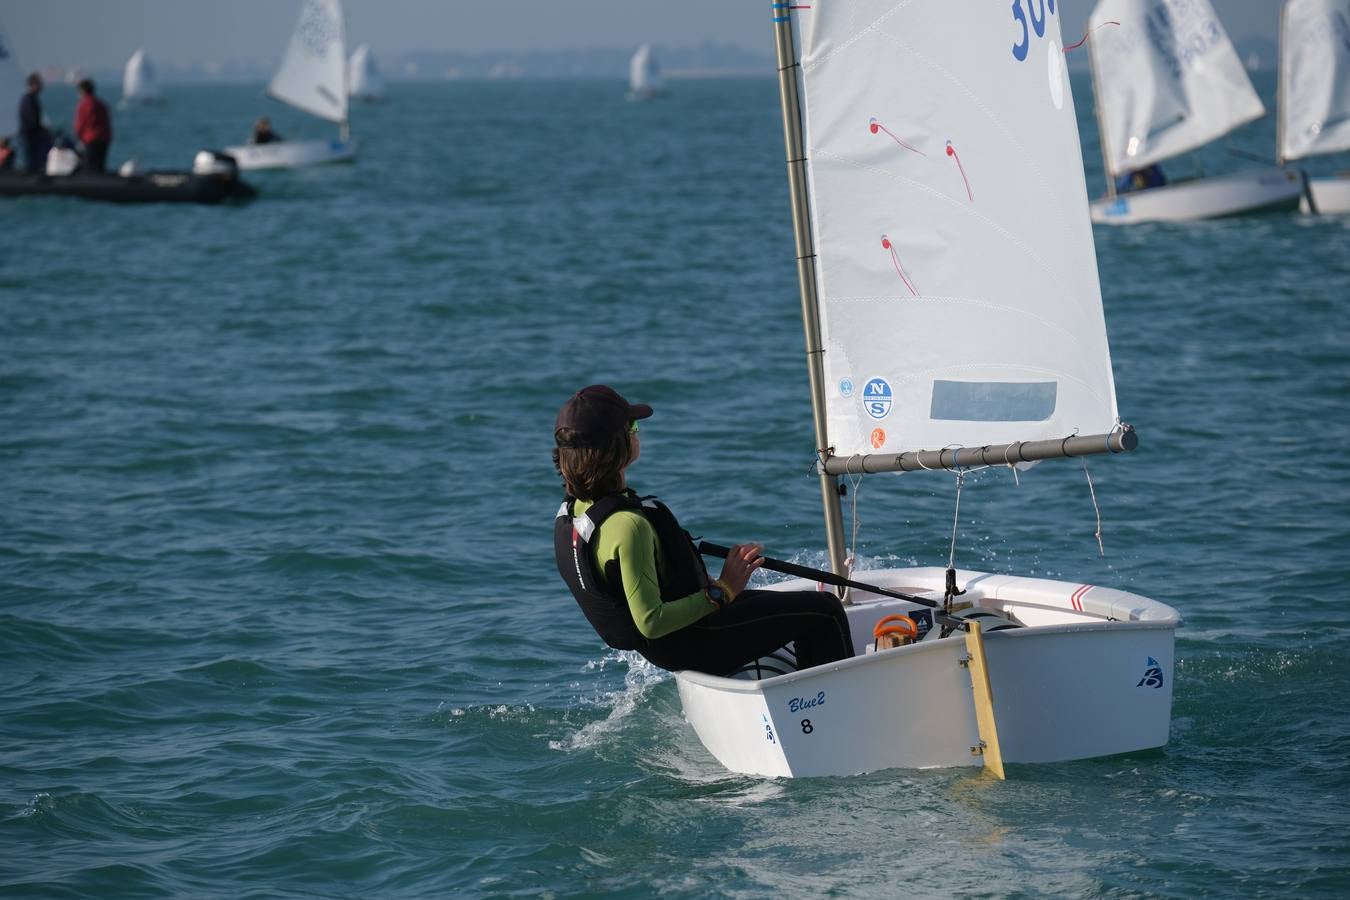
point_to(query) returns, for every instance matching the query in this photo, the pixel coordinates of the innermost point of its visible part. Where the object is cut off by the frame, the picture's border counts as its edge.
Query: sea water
(278, 610)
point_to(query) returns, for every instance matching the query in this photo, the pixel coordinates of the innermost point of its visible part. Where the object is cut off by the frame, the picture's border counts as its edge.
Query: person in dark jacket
(639, 579)
(263, 133)
(32, 133)
(93, 127)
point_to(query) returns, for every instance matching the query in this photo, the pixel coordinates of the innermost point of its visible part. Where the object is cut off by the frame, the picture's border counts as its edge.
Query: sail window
(993, 401)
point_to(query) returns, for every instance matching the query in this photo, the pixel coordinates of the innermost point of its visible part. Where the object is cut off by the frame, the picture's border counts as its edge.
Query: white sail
(139, 84)
(957, 274)
(363, 76)
(644, 74)
(1167, 80)
(313, 73)
(1314, 105)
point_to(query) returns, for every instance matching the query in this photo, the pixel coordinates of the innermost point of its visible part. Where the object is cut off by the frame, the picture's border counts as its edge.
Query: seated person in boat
(637, 575)
(93, 127)
(263, 133)
(6, 155)
(1137, 180)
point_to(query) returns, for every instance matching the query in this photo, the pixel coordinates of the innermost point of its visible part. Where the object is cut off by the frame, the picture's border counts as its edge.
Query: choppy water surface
(278, 615)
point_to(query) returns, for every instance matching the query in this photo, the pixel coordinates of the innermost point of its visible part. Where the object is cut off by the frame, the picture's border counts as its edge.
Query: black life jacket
(600, 594)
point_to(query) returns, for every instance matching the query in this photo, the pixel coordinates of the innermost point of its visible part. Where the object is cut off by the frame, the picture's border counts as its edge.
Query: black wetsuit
(755, 625)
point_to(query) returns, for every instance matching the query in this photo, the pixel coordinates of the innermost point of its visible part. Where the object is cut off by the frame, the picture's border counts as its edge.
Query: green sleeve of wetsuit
(629, 538)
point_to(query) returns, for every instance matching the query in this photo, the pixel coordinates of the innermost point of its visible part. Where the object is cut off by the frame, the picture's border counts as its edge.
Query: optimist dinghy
(644, 75)
(140, 86)
(313, 79)
(1167, 81)
(1314, 95)
(950, 299)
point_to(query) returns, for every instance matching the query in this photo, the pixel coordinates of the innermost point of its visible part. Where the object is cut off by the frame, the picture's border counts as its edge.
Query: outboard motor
(213, 162)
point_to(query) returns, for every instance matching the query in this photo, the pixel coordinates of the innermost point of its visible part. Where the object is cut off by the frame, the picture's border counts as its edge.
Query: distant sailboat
(1313, 102)
(139, 84)
(644, 75)
(363, 76)
(1167, 81)
(313, 79)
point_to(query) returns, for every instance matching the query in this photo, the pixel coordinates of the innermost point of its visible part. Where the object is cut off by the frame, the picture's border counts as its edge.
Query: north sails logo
(1153, 675)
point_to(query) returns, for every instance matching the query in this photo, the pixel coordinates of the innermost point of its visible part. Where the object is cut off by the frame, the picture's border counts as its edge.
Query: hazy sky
(101, 34)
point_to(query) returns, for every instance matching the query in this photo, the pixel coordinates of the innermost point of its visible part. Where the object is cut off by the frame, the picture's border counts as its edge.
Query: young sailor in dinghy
(637, 576)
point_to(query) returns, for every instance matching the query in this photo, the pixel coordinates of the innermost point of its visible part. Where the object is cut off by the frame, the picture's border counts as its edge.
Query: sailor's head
(595, 437)
(86, 86)
(263, 124)
(34, 82)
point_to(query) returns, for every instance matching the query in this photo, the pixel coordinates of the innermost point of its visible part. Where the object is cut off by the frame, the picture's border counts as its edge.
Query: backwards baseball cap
(594, 415)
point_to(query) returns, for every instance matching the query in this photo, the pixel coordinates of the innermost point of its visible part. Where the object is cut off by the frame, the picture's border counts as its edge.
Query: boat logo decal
(1153, 675)
(768, 729)
(877, 398)
(1076, 598)
(878, 438)
(797, 704)
(1037, 10)
(846, 387)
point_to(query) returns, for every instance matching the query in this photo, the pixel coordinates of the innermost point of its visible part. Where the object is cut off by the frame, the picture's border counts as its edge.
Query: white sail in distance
(363, 76)
(644, 75)
(957, 275)
(1314, 103)
(1167, 80)
(313, 73)
(139, 84)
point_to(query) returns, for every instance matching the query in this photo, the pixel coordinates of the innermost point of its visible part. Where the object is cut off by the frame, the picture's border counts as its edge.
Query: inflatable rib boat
(214, 178)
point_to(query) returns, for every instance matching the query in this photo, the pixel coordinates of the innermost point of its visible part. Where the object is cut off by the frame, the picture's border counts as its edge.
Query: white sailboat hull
(292, 154)
(1089, 675)
(1242, 193)
(1330, 196)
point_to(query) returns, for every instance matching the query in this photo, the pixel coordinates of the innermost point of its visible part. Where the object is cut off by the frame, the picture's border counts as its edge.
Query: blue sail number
(1037, 23)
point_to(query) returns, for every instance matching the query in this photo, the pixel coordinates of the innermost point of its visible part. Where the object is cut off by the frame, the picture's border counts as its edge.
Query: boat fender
(894, 631)
(129, 168)
(213, 162)
(62, 161)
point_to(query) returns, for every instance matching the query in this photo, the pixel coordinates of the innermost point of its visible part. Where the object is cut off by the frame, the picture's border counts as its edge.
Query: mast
(1097, 111)
(806, 276)
(1279, 90)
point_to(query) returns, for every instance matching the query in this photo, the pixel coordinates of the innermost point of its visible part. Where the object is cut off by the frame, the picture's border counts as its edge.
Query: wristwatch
(715, 593)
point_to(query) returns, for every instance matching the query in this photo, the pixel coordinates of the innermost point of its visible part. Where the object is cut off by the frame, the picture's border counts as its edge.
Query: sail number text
(1031, 18)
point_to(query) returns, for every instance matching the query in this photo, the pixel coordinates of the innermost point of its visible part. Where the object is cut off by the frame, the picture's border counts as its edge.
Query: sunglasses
(633, 427)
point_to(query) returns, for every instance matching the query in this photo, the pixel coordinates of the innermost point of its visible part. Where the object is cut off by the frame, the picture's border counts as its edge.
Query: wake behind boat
(1167, 80)
(950, 299)
(313, 79)
(1313, 100)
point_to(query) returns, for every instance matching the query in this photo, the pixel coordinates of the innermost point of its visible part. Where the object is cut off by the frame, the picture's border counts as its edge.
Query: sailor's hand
(741, 563)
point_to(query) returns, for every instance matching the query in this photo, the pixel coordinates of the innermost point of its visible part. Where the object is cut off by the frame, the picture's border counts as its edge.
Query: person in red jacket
(93, 127)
